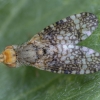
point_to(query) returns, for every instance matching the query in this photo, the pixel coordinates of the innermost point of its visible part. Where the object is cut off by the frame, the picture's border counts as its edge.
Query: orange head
(8, 56)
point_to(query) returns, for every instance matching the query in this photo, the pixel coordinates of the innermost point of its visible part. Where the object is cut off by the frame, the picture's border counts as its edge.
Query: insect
(54, 49)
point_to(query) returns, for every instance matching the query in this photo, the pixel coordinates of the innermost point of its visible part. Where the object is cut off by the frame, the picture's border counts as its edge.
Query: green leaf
(19, 21)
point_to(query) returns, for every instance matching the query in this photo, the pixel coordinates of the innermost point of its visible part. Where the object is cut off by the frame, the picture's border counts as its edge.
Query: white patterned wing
(74, 60)
(72, 29)
(54, 48)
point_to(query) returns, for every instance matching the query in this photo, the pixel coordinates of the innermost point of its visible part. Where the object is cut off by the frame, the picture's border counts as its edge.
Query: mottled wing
(56, 48)
(74, 60)
(72, 29)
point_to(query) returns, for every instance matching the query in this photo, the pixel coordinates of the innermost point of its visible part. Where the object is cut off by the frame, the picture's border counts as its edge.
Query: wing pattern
(72, 29)
(57, 50)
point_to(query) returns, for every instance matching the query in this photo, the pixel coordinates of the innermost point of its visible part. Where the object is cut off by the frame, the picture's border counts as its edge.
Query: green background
(19, 21)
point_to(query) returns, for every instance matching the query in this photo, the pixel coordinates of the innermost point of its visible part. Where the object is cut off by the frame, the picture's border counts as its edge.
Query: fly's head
(8, 56)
